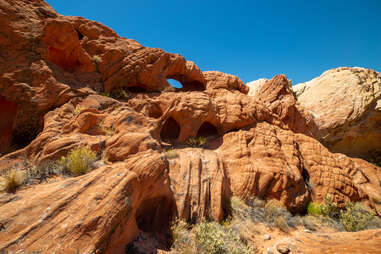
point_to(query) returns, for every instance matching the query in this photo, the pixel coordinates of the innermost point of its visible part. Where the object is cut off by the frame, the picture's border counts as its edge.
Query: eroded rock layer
(147, 173)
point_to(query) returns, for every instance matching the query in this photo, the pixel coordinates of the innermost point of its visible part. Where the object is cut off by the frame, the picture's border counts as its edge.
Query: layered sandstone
(63, 69)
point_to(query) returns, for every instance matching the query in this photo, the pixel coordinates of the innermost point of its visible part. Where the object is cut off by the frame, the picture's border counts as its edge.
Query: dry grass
(196, 142)
(11, 180)
(78, 161)
(171, 154)
(97, 59)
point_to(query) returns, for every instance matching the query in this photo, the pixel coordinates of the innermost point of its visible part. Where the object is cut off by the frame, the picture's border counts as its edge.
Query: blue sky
(250, 39)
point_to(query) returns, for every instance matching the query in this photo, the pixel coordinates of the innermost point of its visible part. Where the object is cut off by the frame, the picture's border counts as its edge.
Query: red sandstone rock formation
(254, 146)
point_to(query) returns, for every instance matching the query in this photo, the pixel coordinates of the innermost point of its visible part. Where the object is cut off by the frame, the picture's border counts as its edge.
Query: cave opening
(193, 86)
(155, 215)
(170, 129)
(80, 35)
(207, 129)
(136, 89)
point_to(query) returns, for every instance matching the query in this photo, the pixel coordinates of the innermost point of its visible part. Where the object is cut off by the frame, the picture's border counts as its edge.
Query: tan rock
(345, 105)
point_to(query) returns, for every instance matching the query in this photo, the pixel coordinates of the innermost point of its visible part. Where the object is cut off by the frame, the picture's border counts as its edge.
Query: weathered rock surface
(255, 146)
(346, 105)
(255, 86)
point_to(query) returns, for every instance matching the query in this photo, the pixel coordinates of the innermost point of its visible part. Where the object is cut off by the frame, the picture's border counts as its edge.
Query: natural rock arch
(188, 85)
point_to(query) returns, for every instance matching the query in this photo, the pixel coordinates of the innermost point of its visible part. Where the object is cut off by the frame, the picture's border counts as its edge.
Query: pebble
(267, 237)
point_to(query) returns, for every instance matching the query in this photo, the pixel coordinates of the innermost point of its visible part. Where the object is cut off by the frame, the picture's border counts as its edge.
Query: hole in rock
(155, 216)
(174, 83)
(170, 129)
(80, 35)
(136, 89)
(8, 111)
(207, 129)
(179, 83)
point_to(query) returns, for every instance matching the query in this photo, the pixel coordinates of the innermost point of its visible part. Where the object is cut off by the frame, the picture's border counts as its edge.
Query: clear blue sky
(252, 38)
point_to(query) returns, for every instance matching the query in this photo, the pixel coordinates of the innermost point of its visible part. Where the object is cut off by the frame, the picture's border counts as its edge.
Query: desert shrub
(330, 208)
(355, 217)
(97, 59)
(78, 160)
(43, 170)
(211, 237)
(314, 208)
(171, 154)
(11, 180)
(182, 237)
(196, 142)
(78, 109)
(208, 237)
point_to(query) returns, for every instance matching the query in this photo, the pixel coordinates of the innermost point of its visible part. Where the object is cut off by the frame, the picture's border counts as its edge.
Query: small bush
(78, 161)
(11, 180)
(330, 208)
(182, 237)
(97, 59)
(196, 142)
(355, 217)
(314, 208)
(208, 237)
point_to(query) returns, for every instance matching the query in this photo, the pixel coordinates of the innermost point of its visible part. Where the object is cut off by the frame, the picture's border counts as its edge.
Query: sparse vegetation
(78, 161)
(43, 171)
(171, 154)
(78, 109)
(97, 59)
(330, 209)
(196, 142)
(208, 237)
(314, 209)
(117, 94)
(11, 180)
(355, 217)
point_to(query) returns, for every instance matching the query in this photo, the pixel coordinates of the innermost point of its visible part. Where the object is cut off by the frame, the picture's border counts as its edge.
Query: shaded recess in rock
(207, 129)
(8, 111)
(170, 129)
(155, 215)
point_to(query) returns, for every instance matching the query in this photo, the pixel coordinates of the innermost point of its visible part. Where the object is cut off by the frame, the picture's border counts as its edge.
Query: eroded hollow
(61, 58)
(136, 89)
(155, 112)
(8, 111)
(207, 129)
(170, 129)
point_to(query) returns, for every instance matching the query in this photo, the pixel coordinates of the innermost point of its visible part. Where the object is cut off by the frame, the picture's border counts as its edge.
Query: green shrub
(11, 180)
(355, 217)
(78, 160)
(314, 208)
(208, 237)
(330, 208)
(196, 142)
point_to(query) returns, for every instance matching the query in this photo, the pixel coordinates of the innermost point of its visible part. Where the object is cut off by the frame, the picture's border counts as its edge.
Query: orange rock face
(260, 146)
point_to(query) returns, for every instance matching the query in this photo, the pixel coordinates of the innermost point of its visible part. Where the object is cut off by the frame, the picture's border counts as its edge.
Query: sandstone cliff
(76, 83)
